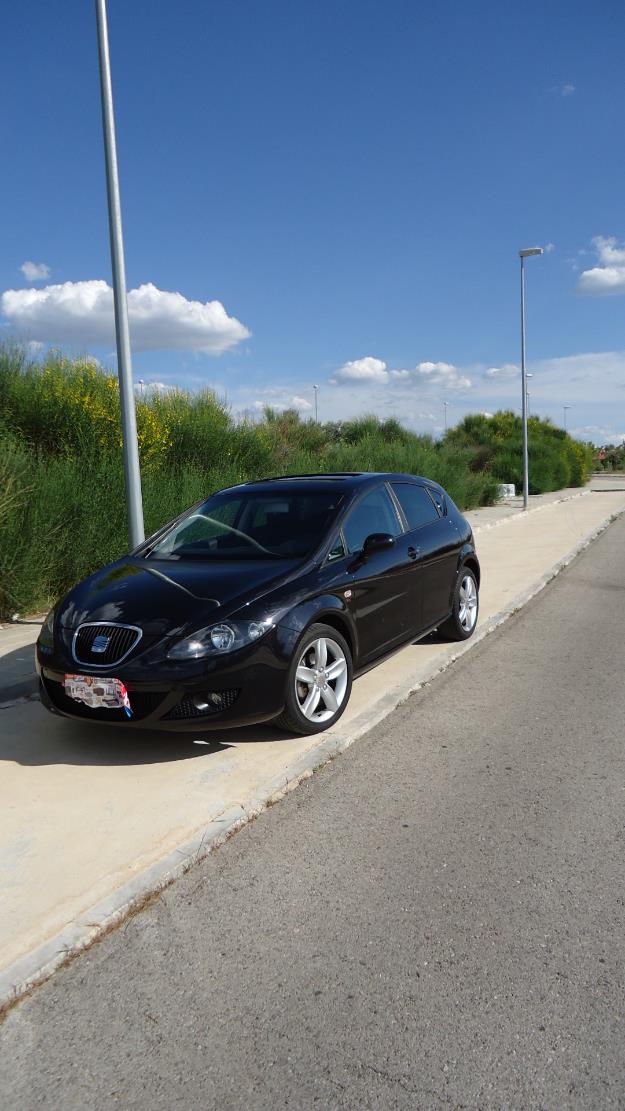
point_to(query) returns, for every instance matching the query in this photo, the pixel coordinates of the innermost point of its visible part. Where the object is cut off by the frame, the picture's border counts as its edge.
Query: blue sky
(351, 181)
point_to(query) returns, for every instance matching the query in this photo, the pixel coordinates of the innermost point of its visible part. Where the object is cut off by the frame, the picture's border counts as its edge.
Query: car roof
(346, 480)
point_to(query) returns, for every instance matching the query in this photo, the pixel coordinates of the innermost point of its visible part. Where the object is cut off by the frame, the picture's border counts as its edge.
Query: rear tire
(460, 625)
(319, 681)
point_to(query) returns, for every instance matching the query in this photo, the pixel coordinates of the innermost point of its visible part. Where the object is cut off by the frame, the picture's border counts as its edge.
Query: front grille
(141, 702)
(116, 640)
(186, 709)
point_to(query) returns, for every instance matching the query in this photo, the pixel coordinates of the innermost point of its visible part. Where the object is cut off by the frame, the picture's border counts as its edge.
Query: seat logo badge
(100, 643)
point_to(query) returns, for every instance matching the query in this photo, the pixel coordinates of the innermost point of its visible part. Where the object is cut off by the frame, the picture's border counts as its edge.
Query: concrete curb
(32, 969)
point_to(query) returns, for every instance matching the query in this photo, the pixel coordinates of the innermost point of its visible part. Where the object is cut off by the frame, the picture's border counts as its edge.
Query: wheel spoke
(311, 702)
(321, 653)
(305, 675)
(336, 668)
(329, 698)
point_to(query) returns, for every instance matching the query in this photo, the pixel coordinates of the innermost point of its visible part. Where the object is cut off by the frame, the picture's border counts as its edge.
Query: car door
(437, 542)
(383, 584)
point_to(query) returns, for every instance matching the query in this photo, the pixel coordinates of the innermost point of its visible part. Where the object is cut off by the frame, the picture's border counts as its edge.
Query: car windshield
(251, 525)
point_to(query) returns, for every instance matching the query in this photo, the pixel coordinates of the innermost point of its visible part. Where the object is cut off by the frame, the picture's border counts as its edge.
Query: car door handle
(414, 552)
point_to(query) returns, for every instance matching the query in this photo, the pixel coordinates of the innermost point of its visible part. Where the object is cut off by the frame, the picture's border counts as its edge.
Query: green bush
(495, 444)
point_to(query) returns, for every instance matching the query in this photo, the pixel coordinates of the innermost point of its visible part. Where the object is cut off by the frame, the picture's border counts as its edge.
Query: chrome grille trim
(109, 661)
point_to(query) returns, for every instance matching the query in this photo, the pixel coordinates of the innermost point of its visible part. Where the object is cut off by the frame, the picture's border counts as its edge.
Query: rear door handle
(413, 552)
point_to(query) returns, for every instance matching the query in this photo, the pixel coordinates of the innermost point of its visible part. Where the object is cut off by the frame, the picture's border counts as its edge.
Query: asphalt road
(435, 921)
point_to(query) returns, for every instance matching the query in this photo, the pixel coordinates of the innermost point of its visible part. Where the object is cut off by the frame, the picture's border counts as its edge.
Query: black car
(261, 603)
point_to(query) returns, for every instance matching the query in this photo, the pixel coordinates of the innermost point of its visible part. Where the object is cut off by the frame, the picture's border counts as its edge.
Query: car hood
(169, 597)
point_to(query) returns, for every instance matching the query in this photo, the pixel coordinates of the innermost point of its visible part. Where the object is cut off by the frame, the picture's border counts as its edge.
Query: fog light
(212, 700)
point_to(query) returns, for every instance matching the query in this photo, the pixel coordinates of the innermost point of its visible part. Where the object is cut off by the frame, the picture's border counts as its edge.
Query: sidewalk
(17, 668)
(94, 820)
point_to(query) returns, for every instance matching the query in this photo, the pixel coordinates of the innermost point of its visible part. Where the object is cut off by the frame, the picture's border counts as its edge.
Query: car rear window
(418, 507)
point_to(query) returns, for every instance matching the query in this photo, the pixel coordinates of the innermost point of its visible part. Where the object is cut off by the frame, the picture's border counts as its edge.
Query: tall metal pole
(524, 390)
(565, 407)
(132, 472)
(315, 388)
(445, 403)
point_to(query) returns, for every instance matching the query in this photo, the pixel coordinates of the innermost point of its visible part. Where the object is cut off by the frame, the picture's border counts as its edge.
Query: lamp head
(527, 251)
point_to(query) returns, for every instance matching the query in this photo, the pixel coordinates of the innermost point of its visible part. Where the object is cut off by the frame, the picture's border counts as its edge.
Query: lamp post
(445, 403)
(564, 409)
(316, 389)
(527, 394)
(132, 472)
(525, 253)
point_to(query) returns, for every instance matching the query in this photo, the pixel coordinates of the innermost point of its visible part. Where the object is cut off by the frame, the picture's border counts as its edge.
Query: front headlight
(227, 636)
(46, 636)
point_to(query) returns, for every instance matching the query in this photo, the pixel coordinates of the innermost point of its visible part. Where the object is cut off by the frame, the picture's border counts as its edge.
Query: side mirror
(377, 542)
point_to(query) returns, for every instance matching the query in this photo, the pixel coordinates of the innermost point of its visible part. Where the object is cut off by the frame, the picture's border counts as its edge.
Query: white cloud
(375, 371)
(504, 372)
(81, 313)
(447, 375)
(300, 402)
(142, 387)
(368, 369)
(35, 271)
(609, 276)
(549, 248)
(567, 90)
(598, 434)
(280, 398)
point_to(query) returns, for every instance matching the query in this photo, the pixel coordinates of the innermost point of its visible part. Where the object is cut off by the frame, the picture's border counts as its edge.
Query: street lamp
(132, 472)
(564, 408)
(523, 255)
(445, 403)
(316, 389)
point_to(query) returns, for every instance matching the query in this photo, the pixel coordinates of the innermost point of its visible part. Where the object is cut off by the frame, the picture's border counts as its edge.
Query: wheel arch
(326, 610)
(472, 563)
(336, 621)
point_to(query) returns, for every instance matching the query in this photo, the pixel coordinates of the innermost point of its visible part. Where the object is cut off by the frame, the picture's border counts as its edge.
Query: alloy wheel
(467, 603)
(321, 679)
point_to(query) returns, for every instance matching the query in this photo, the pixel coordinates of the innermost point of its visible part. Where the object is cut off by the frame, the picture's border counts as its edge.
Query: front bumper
(243, 689)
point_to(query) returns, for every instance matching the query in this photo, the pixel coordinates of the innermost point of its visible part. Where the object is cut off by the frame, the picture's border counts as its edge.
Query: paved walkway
(92, 818)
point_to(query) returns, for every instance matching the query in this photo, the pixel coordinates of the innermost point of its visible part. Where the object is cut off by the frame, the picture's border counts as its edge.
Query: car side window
(374, 512)
(418, 507)
(337, 550)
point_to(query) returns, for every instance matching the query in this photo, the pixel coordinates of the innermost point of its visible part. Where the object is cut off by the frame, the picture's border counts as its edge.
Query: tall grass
(62, 501)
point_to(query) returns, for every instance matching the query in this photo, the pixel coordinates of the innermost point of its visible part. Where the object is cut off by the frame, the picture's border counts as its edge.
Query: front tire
(460, 625)
(319, 681)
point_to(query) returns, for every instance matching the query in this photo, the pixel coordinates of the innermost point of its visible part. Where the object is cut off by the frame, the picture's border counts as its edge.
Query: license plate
(99, 694)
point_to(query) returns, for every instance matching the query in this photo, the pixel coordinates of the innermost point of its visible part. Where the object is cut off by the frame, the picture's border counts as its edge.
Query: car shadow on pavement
(17, 673)
(32, 737)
